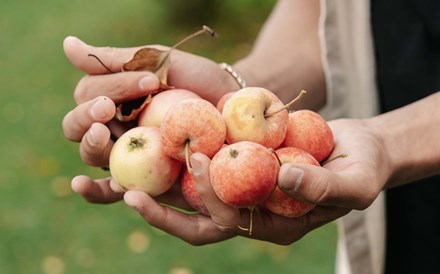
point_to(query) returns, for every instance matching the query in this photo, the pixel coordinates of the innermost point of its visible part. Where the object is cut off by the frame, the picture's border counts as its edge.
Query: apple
(192, 125)
(190, 194)
(257, 115)
(137, 162)
(279, 202)
(244, 174)
(221, 103)
(154, 112)
(309, 131)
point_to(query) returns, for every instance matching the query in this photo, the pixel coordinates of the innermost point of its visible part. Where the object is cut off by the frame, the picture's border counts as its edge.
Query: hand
(187, 71)
(91, 122)
(96, 94)
(106, 191)
(336, 188)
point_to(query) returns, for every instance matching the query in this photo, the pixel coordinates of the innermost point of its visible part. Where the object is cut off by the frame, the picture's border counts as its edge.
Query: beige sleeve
(348, 58)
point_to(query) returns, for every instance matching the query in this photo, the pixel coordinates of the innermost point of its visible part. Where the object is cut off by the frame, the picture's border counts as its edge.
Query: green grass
(44, 227)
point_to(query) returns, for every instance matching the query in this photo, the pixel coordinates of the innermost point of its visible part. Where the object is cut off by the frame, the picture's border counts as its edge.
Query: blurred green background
(44, 226)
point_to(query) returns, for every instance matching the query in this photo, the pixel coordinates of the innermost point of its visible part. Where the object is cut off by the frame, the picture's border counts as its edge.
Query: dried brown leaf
(155, 61)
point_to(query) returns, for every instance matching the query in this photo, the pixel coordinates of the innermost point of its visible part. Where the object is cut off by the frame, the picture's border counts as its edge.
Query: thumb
(321, 186)
(78, 53)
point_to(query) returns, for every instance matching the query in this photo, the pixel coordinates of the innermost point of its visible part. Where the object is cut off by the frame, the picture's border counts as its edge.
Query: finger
(173, 197)
(78, 53)
(195, 229)
(95, 191)
(115, 186)
(123, 86)
(76, 123)
(96, 146)
(349, 188)
(228, 219)
(322, 215)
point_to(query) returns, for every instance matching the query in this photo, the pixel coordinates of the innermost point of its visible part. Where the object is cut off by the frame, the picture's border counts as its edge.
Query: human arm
(286, 56)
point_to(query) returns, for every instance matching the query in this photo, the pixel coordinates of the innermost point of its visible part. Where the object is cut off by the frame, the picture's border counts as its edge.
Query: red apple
(190, 194)
(221, 103)
(192, 125)
(279, 202)
(137, 162)
(154, 112)
(251, 114)
(307, 130)
(244, 174)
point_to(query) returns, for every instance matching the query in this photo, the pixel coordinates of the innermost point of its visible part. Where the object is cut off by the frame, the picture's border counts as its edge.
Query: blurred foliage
(44, 227)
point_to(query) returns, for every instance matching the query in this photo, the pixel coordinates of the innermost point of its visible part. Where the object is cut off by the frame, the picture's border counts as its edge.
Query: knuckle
(229, 227)
(324, 193)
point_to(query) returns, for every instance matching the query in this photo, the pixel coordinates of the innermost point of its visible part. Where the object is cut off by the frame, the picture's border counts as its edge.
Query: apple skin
(279, 202)
(154, 112)
(244, 115)
(196, 122)
(137, 162)
(308, 131)
(244, 174)
(190, 194)
(221, 103)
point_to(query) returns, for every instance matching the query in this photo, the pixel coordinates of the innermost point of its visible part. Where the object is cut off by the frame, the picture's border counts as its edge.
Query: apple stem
(276, 155)
(288, 105)
(251, 211)
(205, 29)
(188, 166)
(342, 155)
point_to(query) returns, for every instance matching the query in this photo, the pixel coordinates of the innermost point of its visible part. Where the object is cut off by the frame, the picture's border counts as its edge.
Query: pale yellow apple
(248, 115)
(137, 162)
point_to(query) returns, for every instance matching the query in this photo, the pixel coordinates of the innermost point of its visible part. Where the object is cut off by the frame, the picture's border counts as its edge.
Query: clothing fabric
(349, 65)
(407, 46)
(379, 56)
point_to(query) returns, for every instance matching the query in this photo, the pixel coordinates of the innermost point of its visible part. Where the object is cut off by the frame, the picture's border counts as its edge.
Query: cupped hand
(336, 188)
(96, 94)
(226, 221)
(352, 182)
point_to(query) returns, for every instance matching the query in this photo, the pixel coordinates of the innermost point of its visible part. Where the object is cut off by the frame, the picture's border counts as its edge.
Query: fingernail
(293, 178)
(196, 165)
(91, 136)
(147, 83)
(98, 110)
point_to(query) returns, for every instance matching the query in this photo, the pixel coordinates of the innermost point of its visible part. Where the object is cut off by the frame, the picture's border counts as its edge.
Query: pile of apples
(248, 135)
